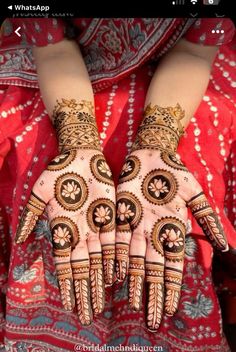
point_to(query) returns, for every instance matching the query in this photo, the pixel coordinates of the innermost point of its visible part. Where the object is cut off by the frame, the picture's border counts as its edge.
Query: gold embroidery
(75, 125)
(160, 129)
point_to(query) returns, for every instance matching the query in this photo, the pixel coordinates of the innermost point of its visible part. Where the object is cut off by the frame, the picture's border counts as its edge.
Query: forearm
(67, 94)
(182, 77)
(62, 74)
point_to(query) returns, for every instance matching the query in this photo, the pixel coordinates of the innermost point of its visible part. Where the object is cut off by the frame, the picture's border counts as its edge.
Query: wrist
(160, 129)
(75, 125)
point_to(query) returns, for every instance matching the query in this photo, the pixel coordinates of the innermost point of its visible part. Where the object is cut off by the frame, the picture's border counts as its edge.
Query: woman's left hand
(153, 194)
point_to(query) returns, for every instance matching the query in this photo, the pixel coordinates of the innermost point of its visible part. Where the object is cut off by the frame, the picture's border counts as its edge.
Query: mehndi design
(78, 192)
(152, 201)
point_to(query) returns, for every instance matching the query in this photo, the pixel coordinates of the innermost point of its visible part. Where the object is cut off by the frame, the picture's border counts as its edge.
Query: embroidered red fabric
(33, 318)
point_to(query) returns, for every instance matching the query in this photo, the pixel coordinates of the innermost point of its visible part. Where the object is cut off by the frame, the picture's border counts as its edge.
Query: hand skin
(84, 257)
(148, 246)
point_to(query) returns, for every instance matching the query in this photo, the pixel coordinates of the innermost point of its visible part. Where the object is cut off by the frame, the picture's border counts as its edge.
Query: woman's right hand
(78, 194)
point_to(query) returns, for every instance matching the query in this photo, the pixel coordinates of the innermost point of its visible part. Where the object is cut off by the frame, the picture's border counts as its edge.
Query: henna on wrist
(160, 129)
(75, 125)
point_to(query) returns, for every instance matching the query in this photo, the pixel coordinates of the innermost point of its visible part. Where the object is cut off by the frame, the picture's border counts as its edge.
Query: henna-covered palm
(153, 194)
(78, 194)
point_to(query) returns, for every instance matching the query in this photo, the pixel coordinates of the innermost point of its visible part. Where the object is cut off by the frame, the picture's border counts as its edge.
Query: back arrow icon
(17, 31)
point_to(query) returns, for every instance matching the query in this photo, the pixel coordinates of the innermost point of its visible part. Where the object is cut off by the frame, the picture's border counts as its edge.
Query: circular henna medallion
(61, 161)
(172, 161)
(129, 211)
(71, 191)
(101, 215)
(101, 170)
(65, 234)
(168, 235)
(130, 169)
(159, 187)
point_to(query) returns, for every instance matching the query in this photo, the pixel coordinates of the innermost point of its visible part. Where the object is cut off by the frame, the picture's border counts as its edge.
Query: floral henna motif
(80, 271)
(65, 281)
(155, 281)
(130, 169)
(32, 211)
(129, 211)
(172, 161)
(159, 187)
(122, 259)
(136, 279)
(62, 161)
(208, 220)
(71, 191)
(75, 125)
(101, 215)
(65, 234)
(101, 170)
(108, 255)
(160, 129)
(168, 236)
(97, 283)
(173, 281)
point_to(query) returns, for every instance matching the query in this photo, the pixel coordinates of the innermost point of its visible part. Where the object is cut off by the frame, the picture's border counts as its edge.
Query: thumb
(33, 209)
(208, 221)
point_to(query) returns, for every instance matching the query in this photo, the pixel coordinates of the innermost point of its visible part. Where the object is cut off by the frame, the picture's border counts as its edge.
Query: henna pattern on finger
(155, 294)
(65, 281)
(34, 208)
(101, 215)
(65, 234)
(159, 187)
(168, 236)
(108, 256)
(160, 129)
(173, 281)
(130, 169)
(97, 282)
(208, 220)
(172, 161)
(75, 125)
(62, 161)
(136, 280)
(101, 170)
(80, 271)
(71, 191)
(129, 211)
(122, 260)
